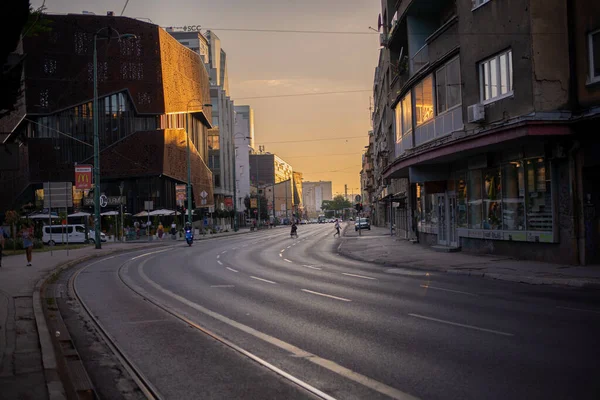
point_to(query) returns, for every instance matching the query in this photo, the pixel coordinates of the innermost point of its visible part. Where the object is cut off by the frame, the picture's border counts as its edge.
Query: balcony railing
(419, 60)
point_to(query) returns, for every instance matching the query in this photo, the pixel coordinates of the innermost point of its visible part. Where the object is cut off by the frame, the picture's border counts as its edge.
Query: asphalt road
(347, 329)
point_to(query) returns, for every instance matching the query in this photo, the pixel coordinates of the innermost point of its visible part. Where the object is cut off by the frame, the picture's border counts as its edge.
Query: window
(492, 199)
(424, 100)
(495, 77)
(213, 142)
(398, 121)
(539, 199)
(217, 180)
(475, 202)
(447, 85)
(594, 50)
(406, 114)
(513, 196)
(478, 3)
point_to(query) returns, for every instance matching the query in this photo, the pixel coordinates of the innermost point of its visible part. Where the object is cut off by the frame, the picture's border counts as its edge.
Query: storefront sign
(110, 201)
(228, 202)
(180, 193)
(83, 177)
(253, 203)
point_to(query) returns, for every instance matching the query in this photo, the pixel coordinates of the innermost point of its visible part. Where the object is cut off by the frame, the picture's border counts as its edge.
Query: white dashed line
(280, 255)
(325, 295)
(311, 267)
(359, 276)
(222, 286)
(286, 260)
(264, 280)
(223, 252)
(288, 247)
(461, 325)
(219, 262)
(218, 256)
(447, 290)
(231, 269)
(282, 250)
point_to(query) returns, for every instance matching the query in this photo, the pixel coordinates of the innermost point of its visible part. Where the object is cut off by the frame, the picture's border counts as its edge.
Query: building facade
(313, 195)
(243, 138)
(273, 178)
(143, 115)
(492, 106)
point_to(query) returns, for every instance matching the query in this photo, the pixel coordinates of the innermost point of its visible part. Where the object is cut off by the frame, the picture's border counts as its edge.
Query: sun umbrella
(110, 213)
(79, 214)
(162, 212)
(141, 214)
(41, 216)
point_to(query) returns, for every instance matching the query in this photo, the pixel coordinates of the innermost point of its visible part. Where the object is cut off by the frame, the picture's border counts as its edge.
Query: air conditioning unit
(383, 41)
(475, 113)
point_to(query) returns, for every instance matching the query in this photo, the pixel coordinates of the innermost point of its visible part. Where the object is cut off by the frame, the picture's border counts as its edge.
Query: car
(92, 237)
(362, 223)
(61, 234)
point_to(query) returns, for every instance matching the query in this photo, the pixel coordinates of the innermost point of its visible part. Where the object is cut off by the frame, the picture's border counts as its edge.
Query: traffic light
(359, 207)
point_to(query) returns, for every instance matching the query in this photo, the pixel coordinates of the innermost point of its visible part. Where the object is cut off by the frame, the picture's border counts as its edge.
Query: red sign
(228, 202)
(83, 176)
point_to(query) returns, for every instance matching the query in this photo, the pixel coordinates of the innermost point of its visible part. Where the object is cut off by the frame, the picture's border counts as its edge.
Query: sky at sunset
(281, 64)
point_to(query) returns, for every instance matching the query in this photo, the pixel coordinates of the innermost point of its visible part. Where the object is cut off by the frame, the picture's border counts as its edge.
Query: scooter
(189, 237)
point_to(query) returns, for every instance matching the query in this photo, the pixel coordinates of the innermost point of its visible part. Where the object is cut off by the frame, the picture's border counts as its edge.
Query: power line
(293, 31)
(303, 94)
(318, 140)
(323, 155)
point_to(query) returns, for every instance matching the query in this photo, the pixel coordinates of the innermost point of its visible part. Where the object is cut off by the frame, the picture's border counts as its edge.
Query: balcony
(419, 60)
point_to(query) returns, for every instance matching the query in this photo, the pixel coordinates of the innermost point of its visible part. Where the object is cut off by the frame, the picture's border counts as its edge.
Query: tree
(337, 204)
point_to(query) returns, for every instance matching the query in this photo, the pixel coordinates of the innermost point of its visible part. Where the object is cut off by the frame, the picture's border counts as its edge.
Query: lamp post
(189, 160)
(96, 138)
(121, 187)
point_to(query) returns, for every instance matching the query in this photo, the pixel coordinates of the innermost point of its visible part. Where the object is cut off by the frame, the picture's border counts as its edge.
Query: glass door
(452, 236)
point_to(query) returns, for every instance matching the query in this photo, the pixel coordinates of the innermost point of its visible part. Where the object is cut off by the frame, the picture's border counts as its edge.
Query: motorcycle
(189, 237)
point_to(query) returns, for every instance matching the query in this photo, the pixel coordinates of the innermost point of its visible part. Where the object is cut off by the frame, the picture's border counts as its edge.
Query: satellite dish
(379, 24)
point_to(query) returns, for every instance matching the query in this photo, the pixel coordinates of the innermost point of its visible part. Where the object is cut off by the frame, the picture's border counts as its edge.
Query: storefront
(506, 196)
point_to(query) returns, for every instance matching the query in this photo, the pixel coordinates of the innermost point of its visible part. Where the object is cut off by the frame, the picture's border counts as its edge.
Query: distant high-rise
(313, 195)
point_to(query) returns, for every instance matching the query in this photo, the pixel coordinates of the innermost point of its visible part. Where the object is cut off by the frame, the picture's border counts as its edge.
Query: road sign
(203, 194)
(148, 205)
(58, 194)
(253, 203)
(357, 198)
(83, 177)
(203, 202)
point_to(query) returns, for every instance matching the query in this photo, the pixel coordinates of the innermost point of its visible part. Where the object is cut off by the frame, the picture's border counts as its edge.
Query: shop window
(475, 202)
(539, 196)
(461, 200)
(424, 100)
(513, 196)
(492, 199)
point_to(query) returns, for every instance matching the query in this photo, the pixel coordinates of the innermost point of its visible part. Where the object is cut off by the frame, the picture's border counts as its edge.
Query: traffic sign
(203, 194)
(358, 198)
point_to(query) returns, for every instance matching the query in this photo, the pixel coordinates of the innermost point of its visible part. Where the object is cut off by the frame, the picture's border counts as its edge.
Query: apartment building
(493, 104)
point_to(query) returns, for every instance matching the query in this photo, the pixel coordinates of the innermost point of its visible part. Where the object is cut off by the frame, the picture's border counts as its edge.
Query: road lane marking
(311, 267)
(219, 261)
(218, 256)
(280, 255)
(222, 286)
(285, 259)
(295, 351)
(264, 280)
(282, 250)
(148, 254)
(449, 290)
(288, 247)
(325, 295)
(359, 276)
(231, 269)
(579, 309)
(461, 325)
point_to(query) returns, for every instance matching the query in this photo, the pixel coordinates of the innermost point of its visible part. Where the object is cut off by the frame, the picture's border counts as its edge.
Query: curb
(580, 283)
(54, 385)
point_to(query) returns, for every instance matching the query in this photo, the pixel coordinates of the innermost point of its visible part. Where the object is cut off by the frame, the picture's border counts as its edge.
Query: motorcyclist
(294, 229)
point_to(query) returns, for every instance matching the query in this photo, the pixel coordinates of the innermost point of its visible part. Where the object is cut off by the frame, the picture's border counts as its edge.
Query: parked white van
(57, 234)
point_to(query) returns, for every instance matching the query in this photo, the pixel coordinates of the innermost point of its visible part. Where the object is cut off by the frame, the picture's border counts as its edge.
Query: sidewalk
(27, 363)
(377, 246)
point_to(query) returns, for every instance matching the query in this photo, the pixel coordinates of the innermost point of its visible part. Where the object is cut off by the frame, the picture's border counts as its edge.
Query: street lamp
(189, 160)
(96, 139)
(235, 216)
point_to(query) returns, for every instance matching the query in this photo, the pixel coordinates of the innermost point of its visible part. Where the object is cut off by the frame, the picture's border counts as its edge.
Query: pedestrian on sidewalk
(27, 236)
(337, 228)
(160, 230)
(3, 235)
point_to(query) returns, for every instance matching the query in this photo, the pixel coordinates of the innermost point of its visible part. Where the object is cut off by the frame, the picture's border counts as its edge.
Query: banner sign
(106, 201)
(180, 194)
(83, 177)
(228, 202)
(253, 203)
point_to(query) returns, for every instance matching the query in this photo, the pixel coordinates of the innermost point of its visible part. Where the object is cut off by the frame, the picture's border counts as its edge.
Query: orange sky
(280, 63)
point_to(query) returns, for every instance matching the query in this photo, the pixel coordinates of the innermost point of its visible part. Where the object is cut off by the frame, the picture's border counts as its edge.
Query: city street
(339, 326)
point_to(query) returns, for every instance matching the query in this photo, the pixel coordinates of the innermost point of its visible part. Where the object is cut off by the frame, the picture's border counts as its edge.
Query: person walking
(337, 228)
(27, 236)
(160, 230)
